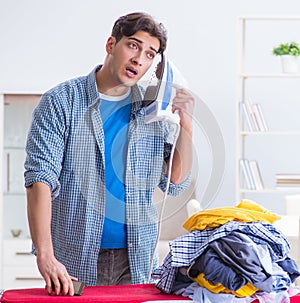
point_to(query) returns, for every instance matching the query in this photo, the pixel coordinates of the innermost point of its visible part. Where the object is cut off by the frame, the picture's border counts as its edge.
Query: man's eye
(132, 45)
(150, 55)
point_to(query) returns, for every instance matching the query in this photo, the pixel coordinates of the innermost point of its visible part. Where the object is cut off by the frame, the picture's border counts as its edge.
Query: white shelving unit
(18, 267)
(280, 147)
(265, 74)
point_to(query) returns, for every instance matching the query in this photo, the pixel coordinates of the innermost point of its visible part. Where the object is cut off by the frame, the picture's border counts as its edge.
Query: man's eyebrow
(141, 42)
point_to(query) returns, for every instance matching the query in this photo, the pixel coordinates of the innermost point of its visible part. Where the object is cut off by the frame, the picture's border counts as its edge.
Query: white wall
(46, 42)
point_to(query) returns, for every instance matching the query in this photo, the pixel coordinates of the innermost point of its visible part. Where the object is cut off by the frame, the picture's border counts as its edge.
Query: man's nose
(137, 59)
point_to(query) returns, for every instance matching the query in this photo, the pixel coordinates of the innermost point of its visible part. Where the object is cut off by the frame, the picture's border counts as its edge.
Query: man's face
(131, 57)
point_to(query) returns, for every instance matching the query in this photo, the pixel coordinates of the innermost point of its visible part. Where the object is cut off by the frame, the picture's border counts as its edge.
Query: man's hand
(184, 102)
(57, 279)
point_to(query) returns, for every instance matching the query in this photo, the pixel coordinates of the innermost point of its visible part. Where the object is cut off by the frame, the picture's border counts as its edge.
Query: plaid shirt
(65, 149)
(185, 249)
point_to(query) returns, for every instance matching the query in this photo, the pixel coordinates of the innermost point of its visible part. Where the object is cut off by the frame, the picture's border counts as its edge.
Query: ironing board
(99, 294)
(92, 294)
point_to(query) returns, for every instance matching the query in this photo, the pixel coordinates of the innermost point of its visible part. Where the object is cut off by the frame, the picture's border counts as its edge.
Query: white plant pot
(290, 64)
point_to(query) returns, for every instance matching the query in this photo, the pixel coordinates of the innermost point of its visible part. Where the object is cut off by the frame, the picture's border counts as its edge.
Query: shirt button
(129, 220)
(129, 244)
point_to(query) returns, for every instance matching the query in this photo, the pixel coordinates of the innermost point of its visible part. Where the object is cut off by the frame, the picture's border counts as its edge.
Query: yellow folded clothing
(246, 290)
(245, 211)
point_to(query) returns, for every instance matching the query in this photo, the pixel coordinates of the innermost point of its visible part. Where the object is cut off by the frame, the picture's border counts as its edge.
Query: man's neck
(107, 87)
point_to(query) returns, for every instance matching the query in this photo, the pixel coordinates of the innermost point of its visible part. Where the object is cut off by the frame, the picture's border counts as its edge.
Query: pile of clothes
(230, 254)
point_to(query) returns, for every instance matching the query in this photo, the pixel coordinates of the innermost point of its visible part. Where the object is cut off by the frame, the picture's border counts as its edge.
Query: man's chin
(130, 83)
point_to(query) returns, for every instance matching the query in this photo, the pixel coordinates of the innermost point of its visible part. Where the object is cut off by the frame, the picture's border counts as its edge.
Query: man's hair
(129, 24)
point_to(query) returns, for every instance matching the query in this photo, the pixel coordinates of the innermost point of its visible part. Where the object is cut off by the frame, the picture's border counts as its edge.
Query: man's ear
(111, 42)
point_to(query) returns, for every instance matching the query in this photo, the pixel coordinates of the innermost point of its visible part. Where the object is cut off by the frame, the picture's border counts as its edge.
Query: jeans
(113, 267)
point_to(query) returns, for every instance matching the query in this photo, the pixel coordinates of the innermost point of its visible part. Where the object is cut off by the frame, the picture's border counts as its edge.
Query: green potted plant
(289, 54)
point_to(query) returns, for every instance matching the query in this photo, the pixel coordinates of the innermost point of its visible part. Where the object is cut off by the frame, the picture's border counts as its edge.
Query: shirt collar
(92, 85)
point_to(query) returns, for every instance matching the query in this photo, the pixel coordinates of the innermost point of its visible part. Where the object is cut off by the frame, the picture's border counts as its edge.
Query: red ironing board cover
(98, 294)
(92, 294)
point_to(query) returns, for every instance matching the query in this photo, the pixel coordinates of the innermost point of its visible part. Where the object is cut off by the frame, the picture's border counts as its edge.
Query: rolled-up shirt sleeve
(45, 143)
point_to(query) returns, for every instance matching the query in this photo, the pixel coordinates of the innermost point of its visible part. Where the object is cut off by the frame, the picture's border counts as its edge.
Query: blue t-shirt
(115, 113)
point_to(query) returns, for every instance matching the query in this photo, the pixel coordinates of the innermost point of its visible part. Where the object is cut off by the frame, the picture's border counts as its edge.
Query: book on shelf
(292, 176)
(254, 168)
(258, 113)
(246, 174)
(253, 116)
(288, 180)
(251, 174)
(246, 116)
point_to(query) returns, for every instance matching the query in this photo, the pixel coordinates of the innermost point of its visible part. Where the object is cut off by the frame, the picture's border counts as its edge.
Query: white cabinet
(260, 80)
(19, 265)
(18, 268)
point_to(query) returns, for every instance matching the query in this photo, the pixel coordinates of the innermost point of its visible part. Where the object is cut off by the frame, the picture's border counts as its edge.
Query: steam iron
(160, 92)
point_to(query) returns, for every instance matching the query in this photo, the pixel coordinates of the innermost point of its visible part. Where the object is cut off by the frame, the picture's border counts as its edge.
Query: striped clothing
(185, 249)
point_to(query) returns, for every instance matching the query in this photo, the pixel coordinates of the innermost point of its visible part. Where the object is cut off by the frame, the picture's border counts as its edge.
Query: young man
(92, 166)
